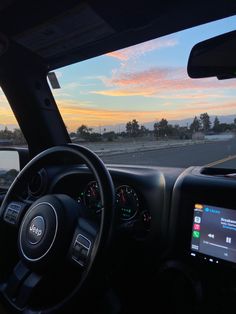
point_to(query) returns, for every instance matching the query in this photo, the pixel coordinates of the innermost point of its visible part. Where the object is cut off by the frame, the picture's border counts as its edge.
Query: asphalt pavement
(214, 154)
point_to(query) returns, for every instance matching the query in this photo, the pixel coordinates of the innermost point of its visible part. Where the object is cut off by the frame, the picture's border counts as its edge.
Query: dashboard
(191, 211)
(140, 194)
(175, 226)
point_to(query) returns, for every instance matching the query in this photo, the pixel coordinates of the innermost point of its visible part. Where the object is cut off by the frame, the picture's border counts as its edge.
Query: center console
(202, 253)
(203, 218)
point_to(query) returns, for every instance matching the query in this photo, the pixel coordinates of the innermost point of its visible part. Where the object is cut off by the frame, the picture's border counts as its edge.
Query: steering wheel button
(11, 216)
(15, 206)
(84, 253)
(13, 212)
(83, 241)
(76, 251)
(80, 254)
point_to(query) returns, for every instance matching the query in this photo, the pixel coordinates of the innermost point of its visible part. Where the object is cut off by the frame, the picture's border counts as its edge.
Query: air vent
(38, 183)
(219, 172)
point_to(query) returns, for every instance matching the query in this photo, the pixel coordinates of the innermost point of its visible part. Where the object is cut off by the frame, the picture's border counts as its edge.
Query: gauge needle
(92, 191)
(122, 196)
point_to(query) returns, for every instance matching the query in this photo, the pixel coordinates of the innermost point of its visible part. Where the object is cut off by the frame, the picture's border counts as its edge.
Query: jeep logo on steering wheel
(36, 230)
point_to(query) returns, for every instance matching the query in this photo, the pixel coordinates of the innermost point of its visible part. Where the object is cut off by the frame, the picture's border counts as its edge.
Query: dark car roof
(64, 32)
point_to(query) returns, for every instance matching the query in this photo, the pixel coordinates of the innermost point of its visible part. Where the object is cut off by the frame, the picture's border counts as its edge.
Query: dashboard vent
(38, 183)
(219, 172)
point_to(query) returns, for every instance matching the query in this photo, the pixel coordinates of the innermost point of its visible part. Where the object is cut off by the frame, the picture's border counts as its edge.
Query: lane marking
(220, 161)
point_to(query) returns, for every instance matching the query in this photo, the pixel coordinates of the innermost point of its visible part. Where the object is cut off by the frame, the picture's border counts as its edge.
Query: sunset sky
(146, 82)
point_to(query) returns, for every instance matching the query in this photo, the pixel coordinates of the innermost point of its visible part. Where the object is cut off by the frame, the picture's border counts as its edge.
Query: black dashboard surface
(147, 188)
(154, 229)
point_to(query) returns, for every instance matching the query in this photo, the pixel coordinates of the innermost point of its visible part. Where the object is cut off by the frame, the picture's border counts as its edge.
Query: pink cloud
(141, 49)
(159, 81)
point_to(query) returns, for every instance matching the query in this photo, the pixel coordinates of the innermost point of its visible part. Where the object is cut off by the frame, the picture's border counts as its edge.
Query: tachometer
(92, 198)
(127, 202)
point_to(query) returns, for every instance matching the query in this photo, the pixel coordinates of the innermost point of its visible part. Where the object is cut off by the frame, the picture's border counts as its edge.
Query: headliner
(67, 31)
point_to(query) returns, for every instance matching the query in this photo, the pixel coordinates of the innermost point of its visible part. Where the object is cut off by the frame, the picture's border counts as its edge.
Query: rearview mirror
(214, 57)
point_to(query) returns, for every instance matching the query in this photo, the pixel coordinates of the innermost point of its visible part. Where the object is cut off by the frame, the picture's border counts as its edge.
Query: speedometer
(127, 202)
(92, 198)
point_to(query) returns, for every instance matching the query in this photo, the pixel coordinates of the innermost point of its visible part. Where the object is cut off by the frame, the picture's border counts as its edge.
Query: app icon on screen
(199, 206)
(196, 234)
(196, 227)
(197, 219)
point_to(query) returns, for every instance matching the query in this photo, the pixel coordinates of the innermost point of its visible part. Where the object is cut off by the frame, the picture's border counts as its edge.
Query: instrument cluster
(128, 202)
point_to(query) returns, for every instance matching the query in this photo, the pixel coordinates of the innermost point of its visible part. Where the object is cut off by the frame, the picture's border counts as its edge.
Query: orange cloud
(120, 92)
(7, 117)
(74, 115)
(140, 49)
(6, 114)
(159, 81)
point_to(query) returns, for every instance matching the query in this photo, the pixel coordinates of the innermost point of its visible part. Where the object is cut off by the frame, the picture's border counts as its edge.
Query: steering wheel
(49, 248)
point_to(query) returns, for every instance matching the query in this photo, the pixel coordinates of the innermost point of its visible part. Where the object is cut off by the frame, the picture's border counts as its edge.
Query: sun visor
(65, 33)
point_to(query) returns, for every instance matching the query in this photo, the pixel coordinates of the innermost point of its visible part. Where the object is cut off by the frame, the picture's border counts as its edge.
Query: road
(218, 154)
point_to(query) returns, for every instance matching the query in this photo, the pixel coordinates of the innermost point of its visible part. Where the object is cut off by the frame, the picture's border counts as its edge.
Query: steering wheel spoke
(20, 286)
(83, 242)
(14, 211)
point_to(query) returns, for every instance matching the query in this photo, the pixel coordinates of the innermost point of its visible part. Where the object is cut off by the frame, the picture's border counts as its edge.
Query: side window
(10, 136)
(10, 133)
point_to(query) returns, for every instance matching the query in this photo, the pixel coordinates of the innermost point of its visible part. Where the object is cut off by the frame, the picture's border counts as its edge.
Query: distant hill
(223, 119)
(149, 125)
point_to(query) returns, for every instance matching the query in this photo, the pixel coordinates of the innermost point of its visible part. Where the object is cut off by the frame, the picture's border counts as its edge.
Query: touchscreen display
(214, 232)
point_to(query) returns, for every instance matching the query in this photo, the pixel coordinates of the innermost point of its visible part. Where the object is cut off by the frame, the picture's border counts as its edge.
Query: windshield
(138, 105)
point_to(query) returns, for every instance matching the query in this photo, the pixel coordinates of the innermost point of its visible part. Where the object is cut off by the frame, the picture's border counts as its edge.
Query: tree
(6, 134)
(132, 128)
(235, 121)
(143, 130)
(184, 133)
(72, 134)
(18, 137)
(175, 130)
(84, 131)
(94, 137)
(163, 127)
(205, 121)
(135, 127)
(195, 125)
(216, 124)
(109, 136)
(129, 128)
(156, 129)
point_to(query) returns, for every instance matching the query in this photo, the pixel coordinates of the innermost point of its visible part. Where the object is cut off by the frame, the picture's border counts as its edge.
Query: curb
(143, 149)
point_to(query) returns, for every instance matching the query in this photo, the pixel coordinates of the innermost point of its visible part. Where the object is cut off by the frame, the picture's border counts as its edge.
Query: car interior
(69, 243)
